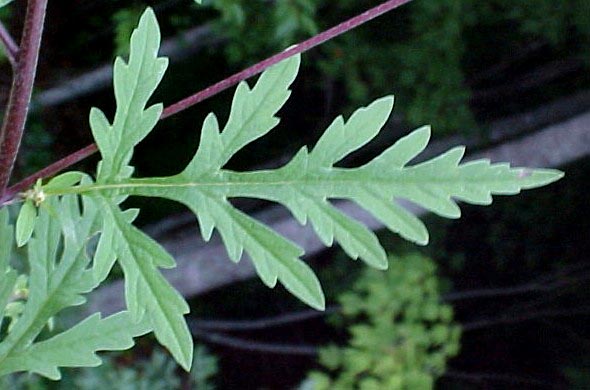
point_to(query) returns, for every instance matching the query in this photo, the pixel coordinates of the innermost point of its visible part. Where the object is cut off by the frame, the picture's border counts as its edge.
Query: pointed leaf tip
(425, 132)
(387, 103)
(533, 178)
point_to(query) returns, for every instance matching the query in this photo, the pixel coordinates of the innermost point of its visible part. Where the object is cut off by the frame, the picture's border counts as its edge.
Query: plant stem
(49, 170)
(297, 49)
(22, 87)
(255, 346)
(217, 88)
(10, 46)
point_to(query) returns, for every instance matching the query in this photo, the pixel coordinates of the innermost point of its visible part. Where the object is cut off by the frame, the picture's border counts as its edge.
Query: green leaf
(77, 346)
(134, 83)
(305, 186)
(6, 2)
(310, 179)
(25, 223)
(65, 180)
(252, 115)
(58, 269)
(147, 292)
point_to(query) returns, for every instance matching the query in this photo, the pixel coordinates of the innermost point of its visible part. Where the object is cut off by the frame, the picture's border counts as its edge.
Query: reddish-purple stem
(10, 46)
(297, 49)
(48, 171)
(22, 87)
(217, 88)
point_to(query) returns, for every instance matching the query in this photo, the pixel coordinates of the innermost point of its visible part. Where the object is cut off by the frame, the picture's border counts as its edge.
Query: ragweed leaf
(305, 186)
(77, 346)
(134, 82)
(148, 294)
(61, 271)
(310, 179)
(59, 278)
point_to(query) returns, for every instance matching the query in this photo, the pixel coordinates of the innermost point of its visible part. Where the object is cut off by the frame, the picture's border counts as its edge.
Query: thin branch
(255, 346)
(10, 46)
(310, 350)
(494, 292)
(510, 60)
(48, 171)
(22, 87)
(258, 68)
(297, 49)
(264, 323)
(541, 75)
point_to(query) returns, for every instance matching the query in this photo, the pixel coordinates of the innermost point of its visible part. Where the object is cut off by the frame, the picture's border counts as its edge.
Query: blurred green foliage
(401, 333)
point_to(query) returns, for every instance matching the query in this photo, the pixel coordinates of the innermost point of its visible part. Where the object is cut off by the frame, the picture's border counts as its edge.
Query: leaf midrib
(138, 184)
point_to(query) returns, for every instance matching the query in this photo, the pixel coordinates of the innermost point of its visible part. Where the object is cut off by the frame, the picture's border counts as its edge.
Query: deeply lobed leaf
(77, 346)
(134, 83)
(305, 186)
(306, 183)
(59, 277)
(148, 294)
(310, 179)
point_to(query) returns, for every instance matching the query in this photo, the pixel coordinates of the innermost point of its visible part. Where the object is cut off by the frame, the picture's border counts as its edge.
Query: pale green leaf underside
(77, 346)
(60, 274)
(305, 184)
(148, 294)
(134, 83)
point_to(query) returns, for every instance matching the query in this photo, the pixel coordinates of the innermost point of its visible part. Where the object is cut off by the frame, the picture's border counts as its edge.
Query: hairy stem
(9, 45)
(219, 87)
(22, 87)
